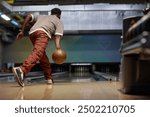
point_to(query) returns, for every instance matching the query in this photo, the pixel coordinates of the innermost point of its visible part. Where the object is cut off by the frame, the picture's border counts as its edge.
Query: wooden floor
(95, 90)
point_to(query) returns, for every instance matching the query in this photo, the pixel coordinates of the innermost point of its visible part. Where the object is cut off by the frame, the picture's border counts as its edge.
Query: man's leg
(40, 41)
(45, 65)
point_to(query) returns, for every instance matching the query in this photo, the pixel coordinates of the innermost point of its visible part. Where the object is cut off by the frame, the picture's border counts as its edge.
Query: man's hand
(20, 35)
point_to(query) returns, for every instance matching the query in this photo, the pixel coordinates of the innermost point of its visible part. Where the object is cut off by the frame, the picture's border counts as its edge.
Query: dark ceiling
(72, 2)
(61, 2)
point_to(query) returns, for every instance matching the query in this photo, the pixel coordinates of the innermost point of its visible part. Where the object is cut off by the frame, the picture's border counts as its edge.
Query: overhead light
(14, 22)
(5, 17)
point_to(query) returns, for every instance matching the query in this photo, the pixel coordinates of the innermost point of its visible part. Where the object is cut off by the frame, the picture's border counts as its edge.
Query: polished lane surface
(70, 87)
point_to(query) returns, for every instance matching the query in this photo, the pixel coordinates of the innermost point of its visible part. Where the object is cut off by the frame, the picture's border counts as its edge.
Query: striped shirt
(50, 24)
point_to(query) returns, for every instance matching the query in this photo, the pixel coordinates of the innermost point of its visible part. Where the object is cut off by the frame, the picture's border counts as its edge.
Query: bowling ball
(59, 56)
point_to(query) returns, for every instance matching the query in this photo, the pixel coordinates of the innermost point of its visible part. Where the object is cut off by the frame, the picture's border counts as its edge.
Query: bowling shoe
(19, 75)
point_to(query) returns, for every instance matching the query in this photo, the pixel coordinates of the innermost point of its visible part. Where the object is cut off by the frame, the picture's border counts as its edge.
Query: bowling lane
(66, 86)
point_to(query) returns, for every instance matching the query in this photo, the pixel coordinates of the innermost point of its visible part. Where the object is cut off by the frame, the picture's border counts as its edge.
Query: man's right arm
(26, 22)
(57, 41)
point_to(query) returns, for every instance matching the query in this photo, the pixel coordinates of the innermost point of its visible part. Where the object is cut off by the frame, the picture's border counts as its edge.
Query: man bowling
(42, 30)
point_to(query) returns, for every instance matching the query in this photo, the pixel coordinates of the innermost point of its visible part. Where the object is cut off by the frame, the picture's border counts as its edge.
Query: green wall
(79, 48)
